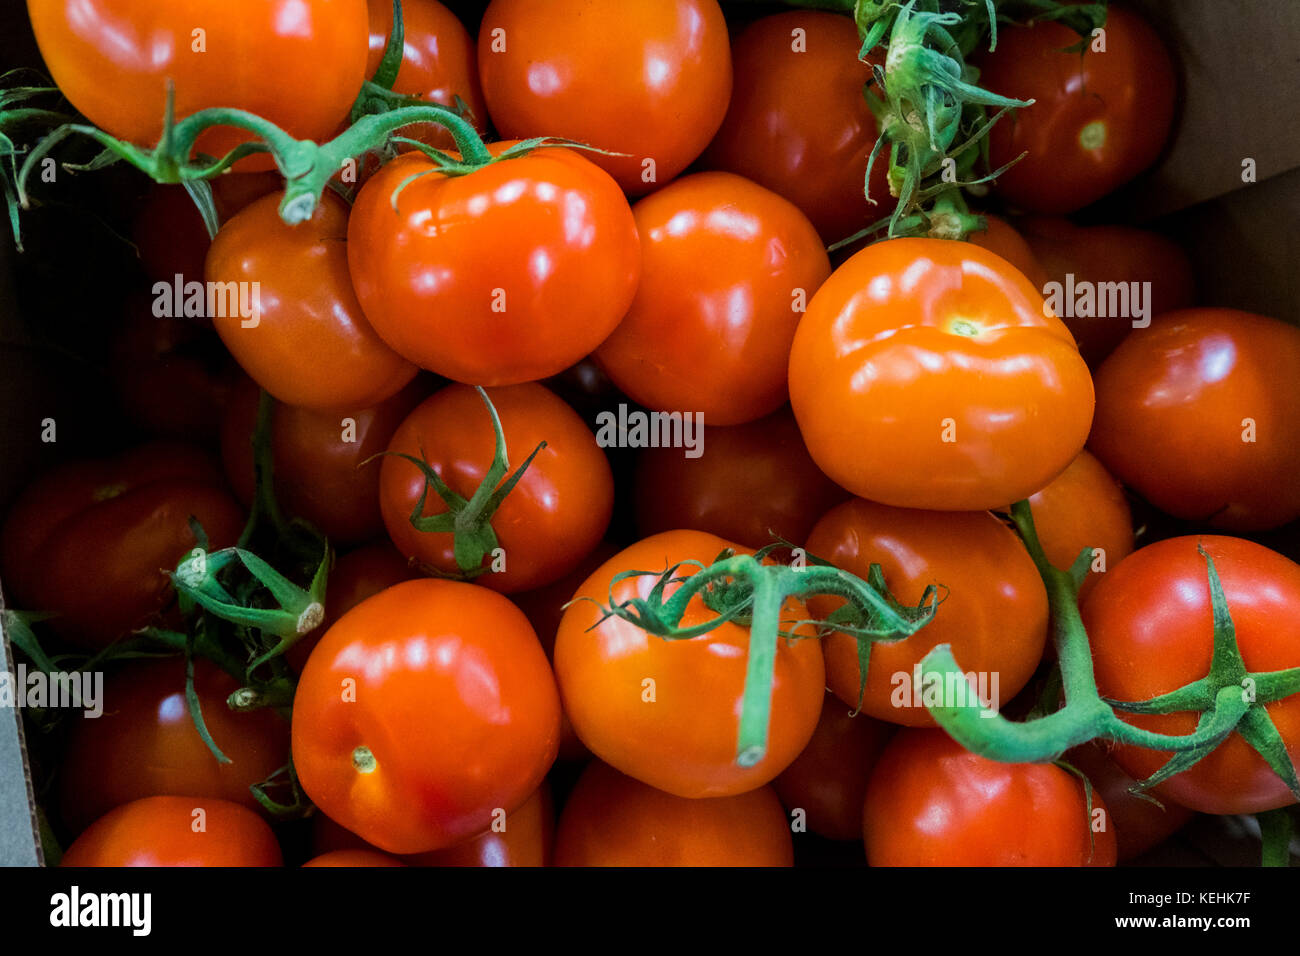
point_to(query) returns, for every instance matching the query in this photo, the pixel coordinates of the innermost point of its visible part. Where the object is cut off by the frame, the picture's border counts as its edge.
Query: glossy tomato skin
(1001, 238)
(1178, 405)
(523, 837)
(112, 60)
(613, 820)
(319, 459)
(176, 831)
(1097, 121)
(1100, 254)
(828, 780)
(1083, 507)
(145, 744)
(649, 78)
(1151, 627)
(726, 267)
(941, 352)
(309, 344)
(798, 123)
(1139, 823)
(679, 732)
(752, 481)
(931, 803)
(363, 858)
(535, 261)
(455, 715)
(993, 613)
(89, 539)
(552, 518)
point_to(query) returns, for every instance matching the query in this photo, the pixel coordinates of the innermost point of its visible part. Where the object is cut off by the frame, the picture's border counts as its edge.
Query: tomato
(960, 391)
(1110, 254)
(752, 480)
(1151, 627)
(930, 803)
(993, 611)
(145, 744)
(549, 521)
(506, 275)
(91, 539)
(354, 858)
(1002, 239)
(520, 838)
(319, 459)
(1139, 823)
(726, 268)
(647, 78)
(828, 781)
(438, 62)
(307, 342)
(667, 712)
(297, 63)
(419, 655)
(614, 820)
(1084, 507)
(798, 122)
(1097, 120)
(1198, 415)
(176, 831)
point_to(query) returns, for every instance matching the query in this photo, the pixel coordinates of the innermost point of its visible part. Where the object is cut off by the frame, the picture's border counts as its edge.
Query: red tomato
(1084, 507)
(943, 353)
(145, 744)
(509, 274)
(1199, 415)
(1151, 627)
(1109, 254)
(1139, 823)
(726, 269)
(814, 156)
(308, 343)
(1097, 120)
(753, 480)
(176, 831)
(648, 78)
(319, 459)
(1002, 239)
(90, 540)
(828, 781)
(425, 654)
(297, 63)
(930, 803)
(993, 611)
(667, 712)
(522, 837)
(613, 820)
(549, 521)
(354, 858)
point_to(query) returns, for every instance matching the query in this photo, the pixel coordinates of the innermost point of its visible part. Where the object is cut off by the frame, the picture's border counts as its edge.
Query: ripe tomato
(309, 343)
(753, 480)
(1110, 254)
(1084, 507)
(506, 275)
(994, 614)
(647, 78)
(549, 521)
(726, 268)
(930, 803)
(297, 63)
(813, 155)
(91, 539)
(828, 781)
(942, 353)
(1097, 120)
(145, 744)
(1152, 630)
(1198, 415)
(1002, 239)
(667, 712)
(354, 858)
(522, 837)
(420, 655)
(176, 831)
(1139, 824)
(613, 820)
(319, 459)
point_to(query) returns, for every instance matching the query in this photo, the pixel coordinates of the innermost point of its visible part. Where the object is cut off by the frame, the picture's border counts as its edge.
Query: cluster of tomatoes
(878, 407)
